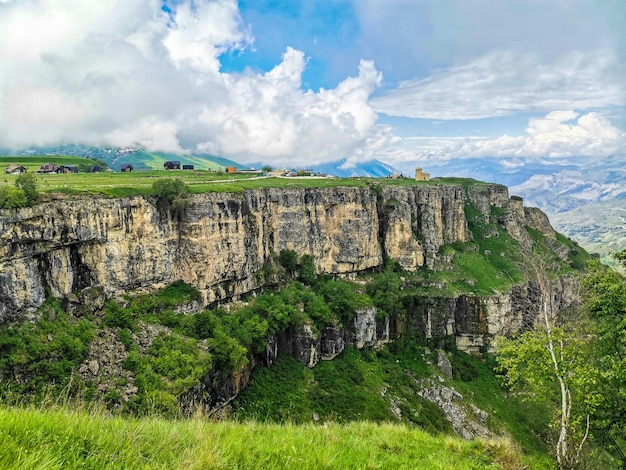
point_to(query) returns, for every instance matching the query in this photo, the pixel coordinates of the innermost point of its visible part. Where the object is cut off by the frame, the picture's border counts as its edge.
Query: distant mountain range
(144, 160)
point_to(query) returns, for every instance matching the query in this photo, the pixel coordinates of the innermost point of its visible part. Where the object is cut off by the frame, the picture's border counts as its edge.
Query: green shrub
(44, 354)
(28, 183)
(463, 366)
(116, 316)
(341, 298)
(385, 290)
(179, 292)
(12, 197)
(172, 195)
(307, 270)
(288, 259)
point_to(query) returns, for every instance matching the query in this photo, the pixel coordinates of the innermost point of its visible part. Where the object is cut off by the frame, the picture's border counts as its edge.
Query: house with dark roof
(67, 169)
(48, 168)
(126, 167)
(172, 165)
(14, 169)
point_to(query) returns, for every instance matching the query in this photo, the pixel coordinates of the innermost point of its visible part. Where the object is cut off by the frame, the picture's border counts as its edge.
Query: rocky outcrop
(467, 420)
(417, 220)
(87, 249)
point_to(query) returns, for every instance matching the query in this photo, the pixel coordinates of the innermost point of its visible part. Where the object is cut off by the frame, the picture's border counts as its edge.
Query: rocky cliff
(88, 249)
(224, 240)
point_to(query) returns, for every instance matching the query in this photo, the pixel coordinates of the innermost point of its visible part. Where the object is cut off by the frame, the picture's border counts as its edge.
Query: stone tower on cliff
(421, 176)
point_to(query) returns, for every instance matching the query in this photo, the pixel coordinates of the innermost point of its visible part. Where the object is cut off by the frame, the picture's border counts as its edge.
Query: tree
(341, 297)
(12, 197)
(28, 183)
(604, 297)
(288, 259)
(386, 291)
(554, 363)
(307, 270)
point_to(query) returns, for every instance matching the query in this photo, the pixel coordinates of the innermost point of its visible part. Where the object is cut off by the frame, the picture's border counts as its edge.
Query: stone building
(421, 176)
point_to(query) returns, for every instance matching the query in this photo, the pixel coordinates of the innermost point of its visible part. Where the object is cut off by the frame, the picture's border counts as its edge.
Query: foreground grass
(63, 438)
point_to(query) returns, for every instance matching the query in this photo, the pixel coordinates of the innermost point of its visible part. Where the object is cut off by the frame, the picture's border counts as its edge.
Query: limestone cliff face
(64, 246)
(419, 219)
(100, 248)
(223, 240)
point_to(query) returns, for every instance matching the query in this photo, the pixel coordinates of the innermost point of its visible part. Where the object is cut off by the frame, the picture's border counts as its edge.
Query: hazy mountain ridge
(600, 227)
(372, 168)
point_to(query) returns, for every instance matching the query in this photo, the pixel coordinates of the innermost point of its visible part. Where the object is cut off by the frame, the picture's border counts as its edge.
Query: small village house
(187, 167)
(48, 168)
(15, 169)
(67, 169)
(126, 167)
(172, 165)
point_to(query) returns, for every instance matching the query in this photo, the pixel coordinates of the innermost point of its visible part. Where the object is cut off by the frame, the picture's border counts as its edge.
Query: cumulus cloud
(126, 73)
(503, 83)
(269, 116)
(559, 134)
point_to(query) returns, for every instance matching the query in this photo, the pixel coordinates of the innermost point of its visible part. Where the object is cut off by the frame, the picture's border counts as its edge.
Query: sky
(298, 82)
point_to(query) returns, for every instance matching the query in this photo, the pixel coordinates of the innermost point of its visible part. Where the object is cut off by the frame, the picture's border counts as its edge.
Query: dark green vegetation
(38, 357)
(23, 193)
(41, 361)
(605, 301)
(358, 386)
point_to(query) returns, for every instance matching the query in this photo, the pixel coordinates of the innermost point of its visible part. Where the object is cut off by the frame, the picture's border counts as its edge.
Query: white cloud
(269, 116)
(124, 72)
(559, 134)
(503, 83)
(201, 31)
(145, 77)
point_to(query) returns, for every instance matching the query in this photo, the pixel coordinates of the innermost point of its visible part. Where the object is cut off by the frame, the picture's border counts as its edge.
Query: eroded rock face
(468, 420)
(222, 242)
(419, 219)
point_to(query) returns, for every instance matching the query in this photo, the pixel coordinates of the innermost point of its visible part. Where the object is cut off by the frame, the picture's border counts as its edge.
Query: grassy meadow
(117, 184)
(64, 438)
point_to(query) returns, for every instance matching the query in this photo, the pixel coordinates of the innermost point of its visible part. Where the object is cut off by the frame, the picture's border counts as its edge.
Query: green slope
(144, 160)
